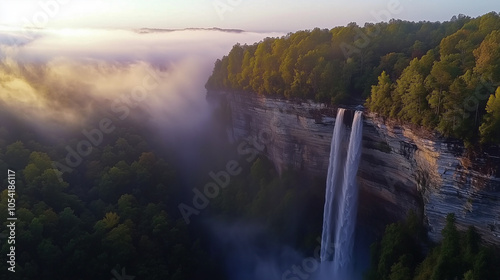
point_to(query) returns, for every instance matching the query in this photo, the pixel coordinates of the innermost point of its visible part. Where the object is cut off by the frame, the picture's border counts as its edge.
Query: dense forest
(460, 255)
(442, 76)
(116, 210)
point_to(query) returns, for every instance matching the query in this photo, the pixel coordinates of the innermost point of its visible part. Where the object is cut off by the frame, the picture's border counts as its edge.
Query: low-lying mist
(65, 76)
(55, 81)
(69, 80)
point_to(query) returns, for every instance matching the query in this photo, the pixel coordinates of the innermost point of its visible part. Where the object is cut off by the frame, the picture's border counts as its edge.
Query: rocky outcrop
(448, 181)
(401, 168)
(297, 139)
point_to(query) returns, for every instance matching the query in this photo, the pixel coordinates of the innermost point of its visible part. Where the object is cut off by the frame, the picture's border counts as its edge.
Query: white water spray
(345, 205)
(332, 180)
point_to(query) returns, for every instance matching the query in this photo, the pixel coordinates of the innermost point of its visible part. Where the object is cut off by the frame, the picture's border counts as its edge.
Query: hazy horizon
(257, 15)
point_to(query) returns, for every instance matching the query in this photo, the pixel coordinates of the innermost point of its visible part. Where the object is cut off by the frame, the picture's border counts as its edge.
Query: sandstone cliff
(401, 168)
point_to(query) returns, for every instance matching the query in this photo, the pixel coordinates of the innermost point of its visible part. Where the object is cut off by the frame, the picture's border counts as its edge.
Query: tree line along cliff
(442, 76)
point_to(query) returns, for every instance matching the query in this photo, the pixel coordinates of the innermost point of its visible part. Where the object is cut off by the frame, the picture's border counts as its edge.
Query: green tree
(448, 265)
(38, 163)
(50, 257)
(415, 105)
(110, 220)
(16, 155)
(127, 207)
(235, 61)
(472, 244)
(119, 243)
(69, 224)
(52, 189)
(490, 129)
(488, 57)
(393, 245)
(380, 100)
(400, 270)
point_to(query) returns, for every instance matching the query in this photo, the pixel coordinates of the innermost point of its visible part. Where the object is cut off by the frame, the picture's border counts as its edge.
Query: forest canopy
(442, 76)
(117, 210)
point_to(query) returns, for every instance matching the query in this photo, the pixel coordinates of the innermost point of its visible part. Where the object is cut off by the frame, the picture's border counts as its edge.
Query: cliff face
(400, 168)
(452, 183)
(448, 181)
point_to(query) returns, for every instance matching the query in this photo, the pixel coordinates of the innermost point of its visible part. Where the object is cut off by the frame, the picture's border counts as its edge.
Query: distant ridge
(158, 30)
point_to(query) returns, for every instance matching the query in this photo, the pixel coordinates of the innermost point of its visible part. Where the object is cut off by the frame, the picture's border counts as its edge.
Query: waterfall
(332, 180)
(342, 184)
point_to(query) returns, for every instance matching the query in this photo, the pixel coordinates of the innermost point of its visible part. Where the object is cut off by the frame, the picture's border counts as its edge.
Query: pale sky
(251, 15)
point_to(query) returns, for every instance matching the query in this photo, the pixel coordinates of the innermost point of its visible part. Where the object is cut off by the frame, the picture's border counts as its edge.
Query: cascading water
(334, 172)
(348, 204)
(345, 205)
